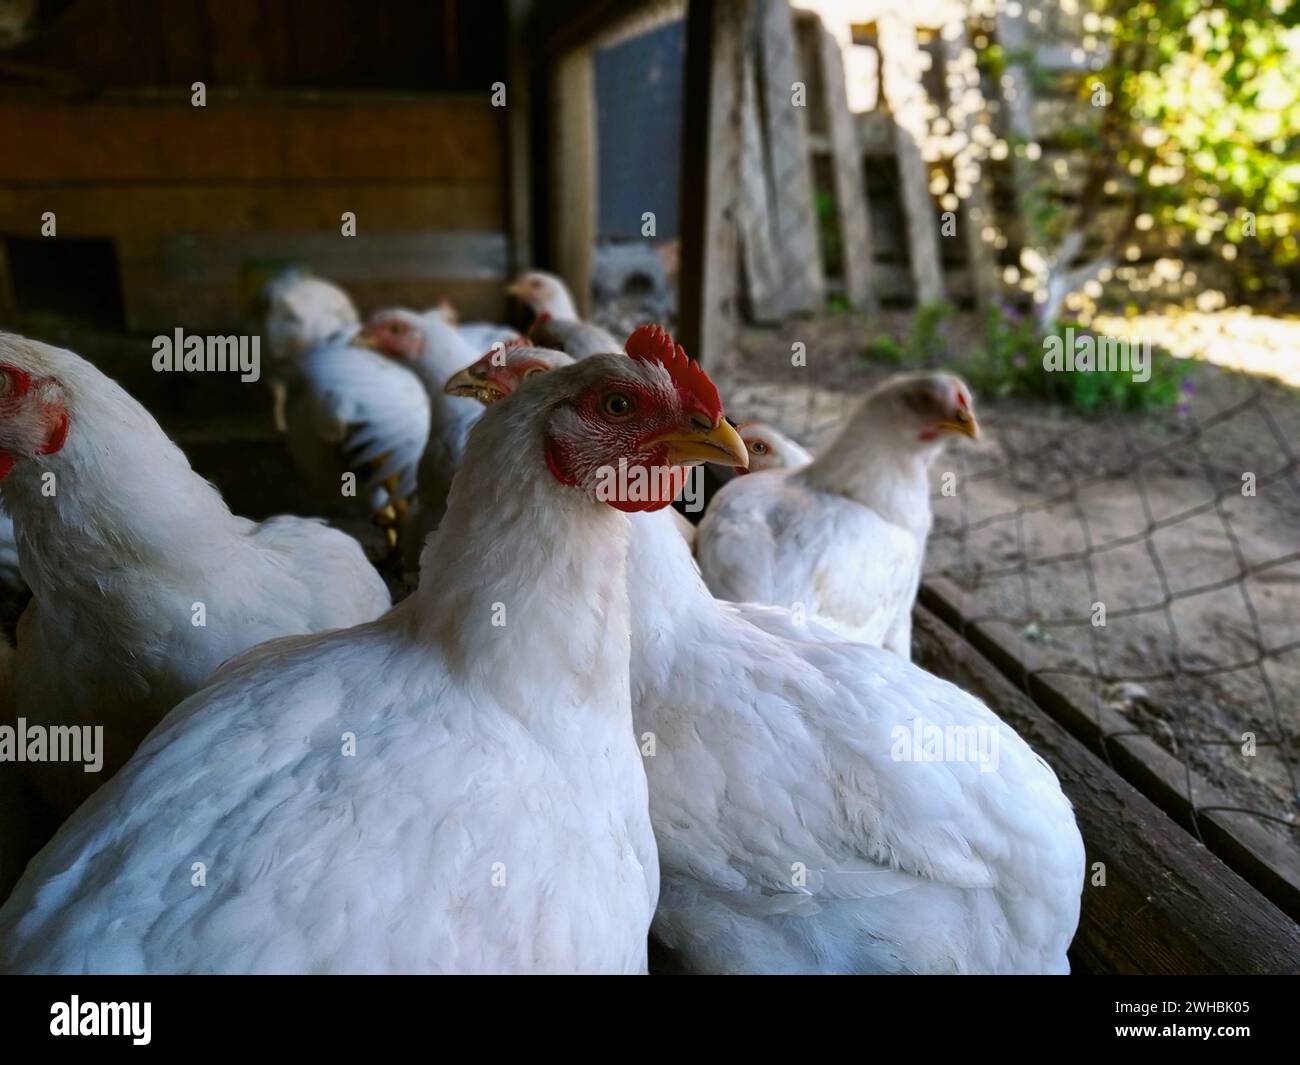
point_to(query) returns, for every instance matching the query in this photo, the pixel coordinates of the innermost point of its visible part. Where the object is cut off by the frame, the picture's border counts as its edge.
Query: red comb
(651, 343)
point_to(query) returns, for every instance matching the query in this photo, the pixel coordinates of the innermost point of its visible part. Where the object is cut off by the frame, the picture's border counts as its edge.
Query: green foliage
(925, 344)
(1008, 363)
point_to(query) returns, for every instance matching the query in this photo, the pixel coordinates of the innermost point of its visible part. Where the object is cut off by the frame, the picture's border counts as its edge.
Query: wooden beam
(977, 211)
(1238, 839)
(133, 210)
(858, 249)
(900, 77)
(575, 190)
(789, 165)
(762, 269)
(710, 159)
(519, 148)
(1168, 906)
(336, 139)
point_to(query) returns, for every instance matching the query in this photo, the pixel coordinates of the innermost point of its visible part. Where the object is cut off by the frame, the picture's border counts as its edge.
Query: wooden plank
(858, 249)
(519, 148)
(1168, 906)
(146, 210)
(574, 184)
(900, 63)
(237, 41)
(338, 140)
(710, 158)
(763, 274)
(1018, 114)
(977, 212)
(1238, 839)
(174, 279)
(789, 170)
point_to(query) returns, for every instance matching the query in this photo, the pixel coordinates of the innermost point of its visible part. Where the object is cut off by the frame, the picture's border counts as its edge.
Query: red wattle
(58, 436)
(6, 464)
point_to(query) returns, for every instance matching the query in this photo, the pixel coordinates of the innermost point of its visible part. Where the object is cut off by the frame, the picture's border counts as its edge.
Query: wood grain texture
(333, 139)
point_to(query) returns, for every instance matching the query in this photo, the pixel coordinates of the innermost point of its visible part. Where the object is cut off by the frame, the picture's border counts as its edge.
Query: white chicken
(801, 828)
(433, 351)
(143, 582)
(478, 335)
(303, 313)
(546, 295)
(500, 372)
(452, 788)
(557, 325)
(771, 449)
(844, 536)
(352, 411)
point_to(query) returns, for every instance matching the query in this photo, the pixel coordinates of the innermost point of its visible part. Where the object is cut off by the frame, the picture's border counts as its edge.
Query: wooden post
(900, 77)
(977, 212)
(762, 269)
(519, 157)
(574, 189)
(795, 233)
(710, 161)
(850, 182)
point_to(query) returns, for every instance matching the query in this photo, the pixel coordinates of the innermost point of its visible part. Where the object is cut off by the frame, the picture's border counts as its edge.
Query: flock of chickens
(592, 733)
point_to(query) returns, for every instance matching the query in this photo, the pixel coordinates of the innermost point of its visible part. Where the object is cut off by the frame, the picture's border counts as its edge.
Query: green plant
(925, 344)
(1010, 362)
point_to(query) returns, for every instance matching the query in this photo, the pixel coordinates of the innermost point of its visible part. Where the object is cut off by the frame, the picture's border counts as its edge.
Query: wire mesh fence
(1145, 568)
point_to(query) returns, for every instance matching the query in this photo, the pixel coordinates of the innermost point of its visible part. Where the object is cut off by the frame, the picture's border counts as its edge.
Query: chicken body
(795, 834)
(434, 352)
(143, 582)
(844, 536)
(492, 815)
(350, 410)
(303, 314)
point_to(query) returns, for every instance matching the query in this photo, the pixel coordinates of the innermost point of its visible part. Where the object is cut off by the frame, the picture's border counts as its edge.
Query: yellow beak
(467, 384)
(717, 443)
(961, 422)
(365, 340)
(516, 289)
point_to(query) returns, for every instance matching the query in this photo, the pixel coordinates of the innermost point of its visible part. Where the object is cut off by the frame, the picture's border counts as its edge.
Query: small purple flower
(1019, 362)
(1188, 387)
(1184, 407)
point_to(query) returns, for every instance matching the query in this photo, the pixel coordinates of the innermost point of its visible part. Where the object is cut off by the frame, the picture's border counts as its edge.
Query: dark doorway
(72, 277)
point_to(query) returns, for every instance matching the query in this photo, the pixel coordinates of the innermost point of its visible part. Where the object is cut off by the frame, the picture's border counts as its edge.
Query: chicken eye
(617, 405)
(758, 447)
(533, 370)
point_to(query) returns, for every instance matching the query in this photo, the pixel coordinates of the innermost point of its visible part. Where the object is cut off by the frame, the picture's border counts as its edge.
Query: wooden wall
(202, 203)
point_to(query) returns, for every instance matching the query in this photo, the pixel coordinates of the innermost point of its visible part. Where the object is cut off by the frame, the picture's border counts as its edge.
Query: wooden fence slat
(573, 211)
(711, 153)
(900, 59)
(976, 209)
(763, 273)
(795, 232)
(857, 247)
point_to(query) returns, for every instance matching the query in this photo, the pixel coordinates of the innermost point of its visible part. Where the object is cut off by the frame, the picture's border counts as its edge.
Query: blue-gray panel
(639, 131)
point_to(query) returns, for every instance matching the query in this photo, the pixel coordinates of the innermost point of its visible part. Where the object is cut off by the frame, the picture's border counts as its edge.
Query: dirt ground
(1159, 499)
